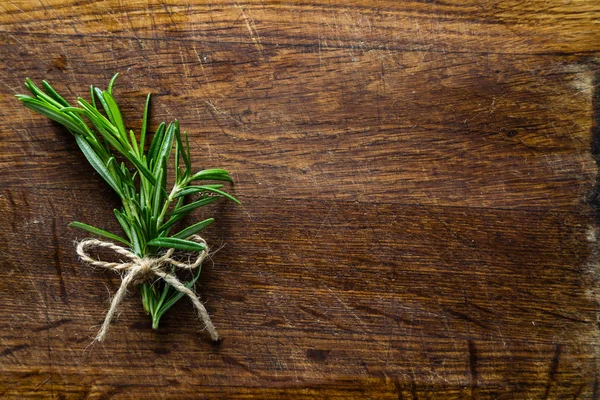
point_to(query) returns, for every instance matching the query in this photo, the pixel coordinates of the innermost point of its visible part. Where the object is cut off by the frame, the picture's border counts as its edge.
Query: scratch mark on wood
(41, 384)
(464, 317)
(10, 350)
(251, 26)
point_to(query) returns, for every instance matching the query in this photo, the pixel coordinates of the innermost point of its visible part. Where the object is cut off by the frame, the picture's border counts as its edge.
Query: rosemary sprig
(149, 210)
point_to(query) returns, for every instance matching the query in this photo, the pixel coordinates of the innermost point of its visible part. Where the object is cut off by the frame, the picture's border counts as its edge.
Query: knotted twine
(139, 270)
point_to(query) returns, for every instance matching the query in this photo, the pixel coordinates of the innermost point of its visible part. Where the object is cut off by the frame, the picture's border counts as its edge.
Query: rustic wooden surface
(419, 195)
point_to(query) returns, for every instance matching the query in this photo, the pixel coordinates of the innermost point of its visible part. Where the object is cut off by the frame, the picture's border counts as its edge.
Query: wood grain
(420, 201)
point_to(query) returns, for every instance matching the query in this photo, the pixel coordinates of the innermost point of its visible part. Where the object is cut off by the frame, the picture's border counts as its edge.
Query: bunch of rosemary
(149, 211)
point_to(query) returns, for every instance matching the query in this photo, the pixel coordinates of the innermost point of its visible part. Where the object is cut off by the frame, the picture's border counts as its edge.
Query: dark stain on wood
(141, 325)
(53, 325)
(161, 351)
(554, 363)
(413, 390)
(58, 63)
(473, 368)
(317, 355)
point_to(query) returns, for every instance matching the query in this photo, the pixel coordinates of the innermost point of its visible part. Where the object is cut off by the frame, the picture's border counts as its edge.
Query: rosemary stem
(155, 320)
(165, 208)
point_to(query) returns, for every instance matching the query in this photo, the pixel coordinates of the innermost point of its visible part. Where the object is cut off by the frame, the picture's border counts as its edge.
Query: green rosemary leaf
(158, 194)
(151, 299)
(23, 97)
(123, 222)
(39, 94)
(213, 171)
(106, 125)
(96, 118)
(98, 231)
(122, 171)
(161, 300)
(212, 185)
(165, 148)
(176, 160)
(53, 113)
(214, 178)
(92, 96)
(187, 151)
(174, 297)
(141, 167)
(138, 211)
(137, 239)
(172, 221)
(206, 188)
(97, 163)
(153, 230)
(144, 124)
(115, 114)
(70, 109)
(196, 204)
(72, 112)
(102, 101)
(115, 171)
(52, 93)
(184, 154)
(110, 138)
(155, 144)
(134, 144)
(192, 230)
(175, 243)
(145, 291)
(211, 174)
(111, 83)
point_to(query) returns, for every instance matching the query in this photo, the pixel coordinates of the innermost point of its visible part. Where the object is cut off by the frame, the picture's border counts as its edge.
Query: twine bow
(139, 270)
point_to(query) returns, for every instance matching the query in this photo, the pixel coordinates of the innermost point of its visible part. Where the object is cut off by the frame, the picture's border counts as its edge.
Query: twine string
(138, 270)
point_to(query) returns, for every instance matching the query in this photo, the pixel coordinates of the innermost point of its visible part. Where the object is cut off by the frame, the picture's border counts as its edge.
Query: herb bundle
(136, 169)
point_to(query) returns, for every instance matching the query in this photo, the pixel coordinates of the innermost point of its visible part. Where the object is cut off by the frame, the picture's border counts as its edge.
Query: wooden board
(419, 193)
